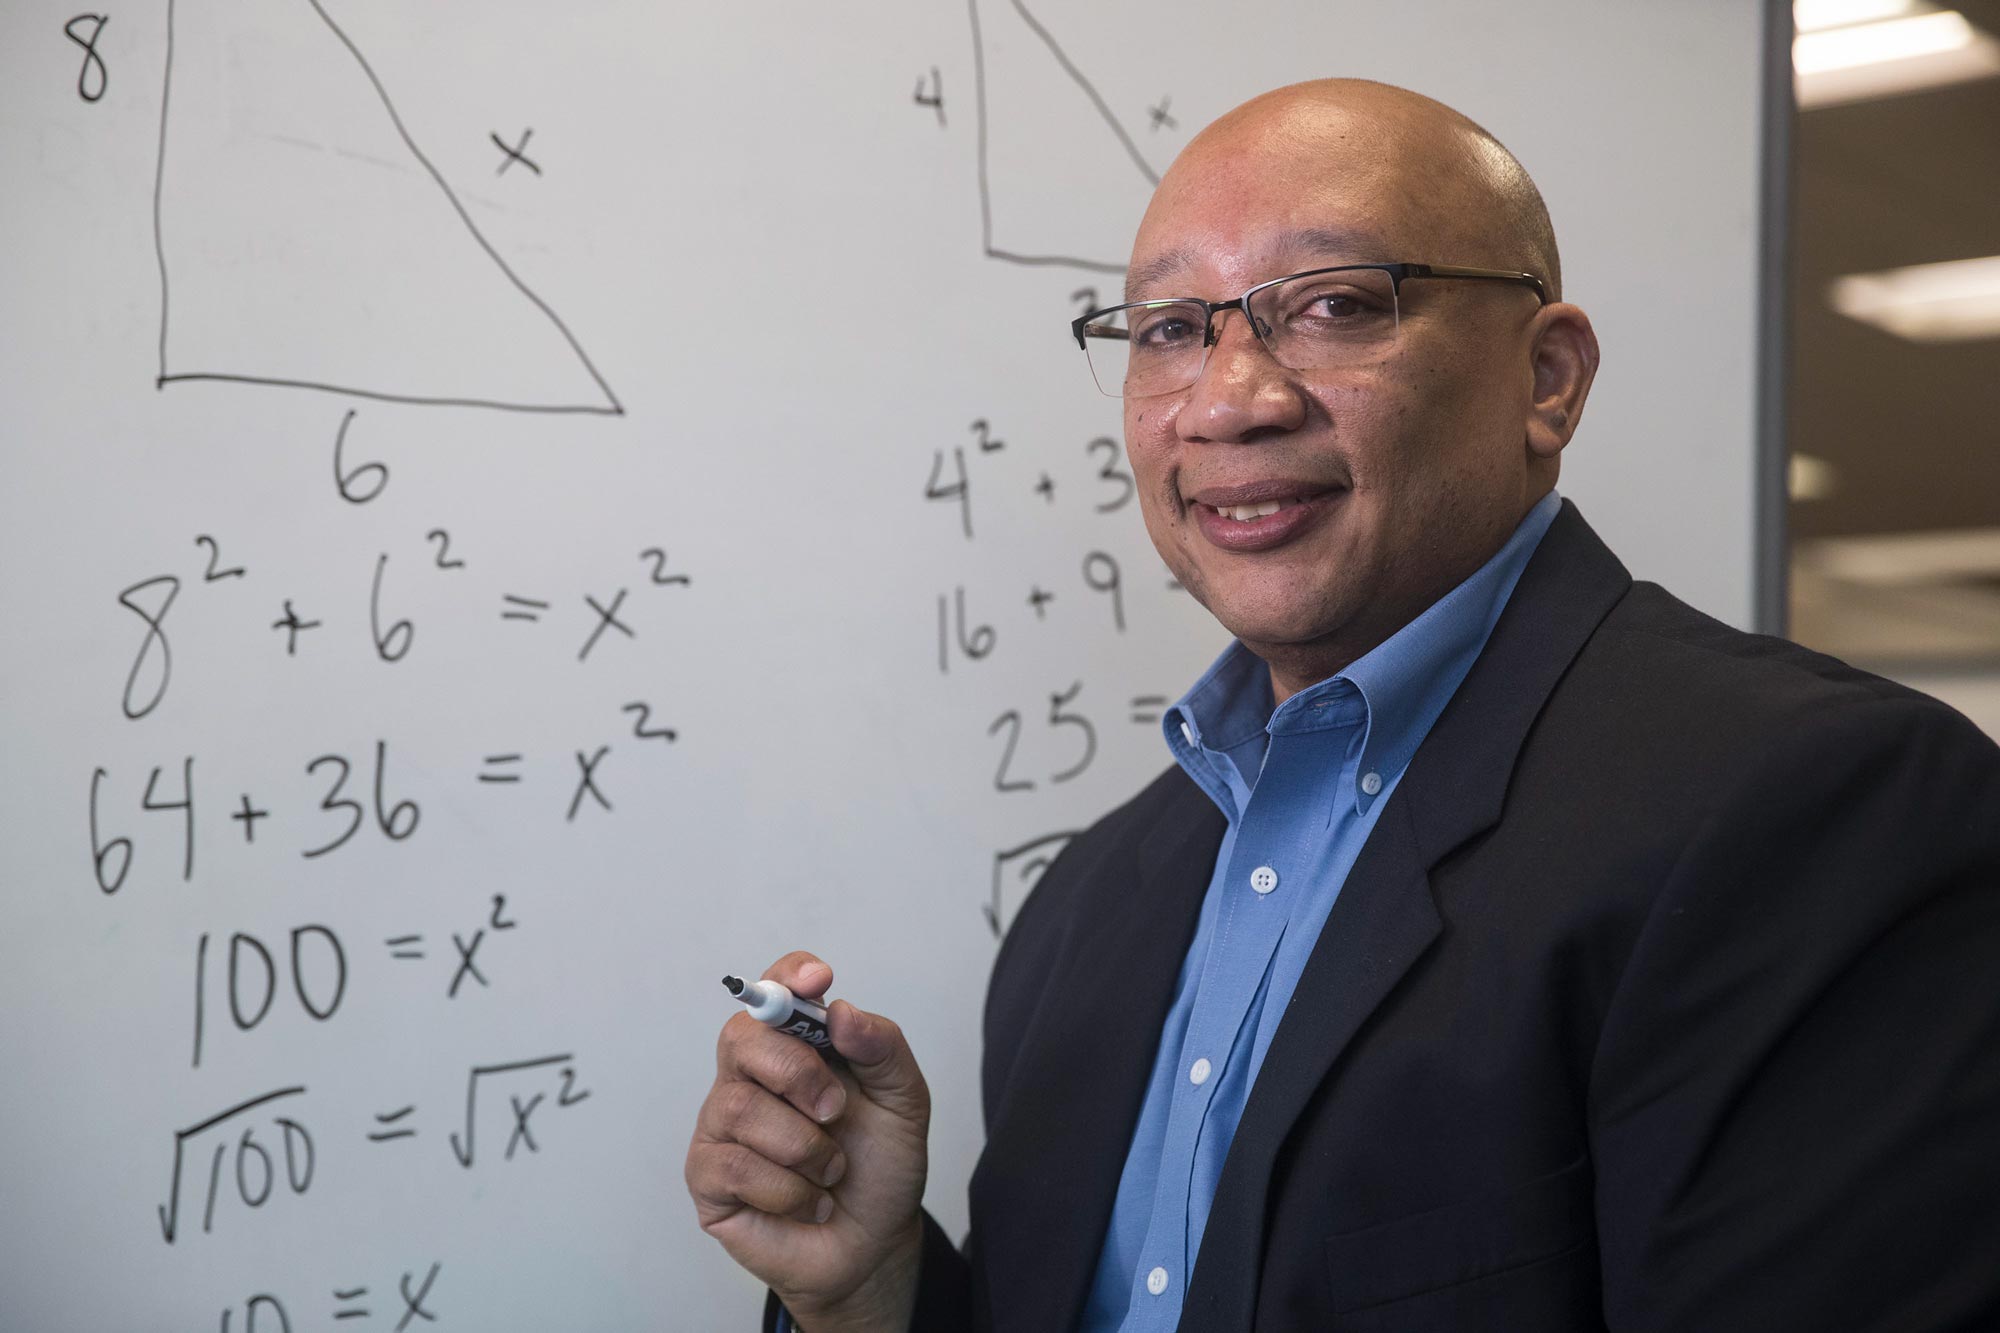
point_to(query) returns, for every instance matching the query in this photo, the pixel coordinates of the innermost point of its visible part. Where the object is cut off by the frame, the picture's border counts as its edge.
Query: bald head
(1449, 189)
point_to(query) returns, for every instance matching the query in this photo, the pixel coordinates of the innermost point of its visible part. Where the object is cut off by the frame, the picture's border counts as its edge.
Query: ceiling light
(1813, 15)
(1927, 303)
(1809, 478)
(1926, 48)
(1879, 42)
(1894, 559)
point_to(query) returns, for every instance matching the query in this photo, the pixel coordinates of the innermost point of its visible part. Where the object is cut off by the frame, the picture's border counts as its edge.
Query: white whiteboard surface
(747, 267)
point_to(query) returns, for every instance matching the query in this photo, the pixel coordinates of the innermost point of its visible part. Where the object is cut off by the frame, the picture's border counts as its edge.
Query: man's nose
(1243, 393)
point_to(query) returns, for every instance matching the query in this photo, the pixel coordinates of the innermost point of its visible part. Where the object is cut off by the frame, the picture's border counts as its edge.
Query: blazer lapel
(1045, 1185)
(1386, 918)
(1382, 923)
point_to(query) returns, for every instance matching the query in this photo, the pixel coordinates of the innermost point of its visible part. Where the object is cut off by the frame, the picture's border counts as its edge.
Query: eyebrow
(1326, 242)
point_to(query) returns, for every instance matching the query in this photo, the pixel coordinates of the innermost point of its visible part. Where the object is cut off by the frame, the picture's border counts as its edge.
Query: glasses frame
(1081, 327)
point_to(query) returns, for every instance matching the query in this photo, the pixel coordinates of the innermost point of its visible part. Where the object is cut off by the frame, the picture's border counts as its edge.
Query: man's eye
(1333, 303)
(1166, 331)
(1338, 310)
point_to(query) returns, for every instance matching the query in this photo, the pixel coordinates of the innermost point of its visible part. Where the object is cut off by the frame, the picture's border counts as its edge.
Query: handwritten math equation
(244, 1169)
(411, 1300)
(360, 793)
(1037, 743)
(309, 966)
(162, 821)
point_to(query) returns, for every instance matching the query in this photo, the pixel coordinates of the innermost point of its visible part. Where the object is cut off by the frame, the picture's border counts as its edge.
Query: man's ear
(1564, 351)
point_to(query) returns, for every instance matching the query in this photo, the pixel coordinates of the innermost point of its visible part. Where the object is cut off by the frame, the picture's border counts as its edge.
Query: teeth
(1245, 513)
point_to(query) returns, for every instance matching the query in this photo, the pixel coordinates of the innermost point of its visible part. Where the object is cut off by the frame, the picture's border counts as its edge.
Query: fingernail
(825, 1209)
(834, 1170)
(830, 1103)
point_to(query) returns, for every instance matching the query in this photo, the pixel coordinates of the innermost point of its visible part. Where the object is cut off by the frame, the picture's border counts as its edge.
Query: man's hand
(813, 1179)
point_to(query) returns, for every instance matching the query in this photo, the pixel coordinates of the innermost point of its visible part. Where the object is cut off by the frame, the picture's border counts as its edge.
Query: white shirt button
(1263, 879)
(1199, 1071)
(1371, 783)
(1187, 733)
(1156, 1281)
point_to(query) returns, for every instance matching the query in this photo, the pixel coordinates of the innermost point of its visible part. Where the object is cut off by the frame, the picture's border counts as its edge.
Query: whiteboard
(477, 574)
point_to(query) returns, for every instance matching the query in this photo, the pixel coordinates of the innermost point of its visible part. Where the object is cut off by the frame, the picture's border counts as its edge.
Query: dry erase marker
(775, 1006)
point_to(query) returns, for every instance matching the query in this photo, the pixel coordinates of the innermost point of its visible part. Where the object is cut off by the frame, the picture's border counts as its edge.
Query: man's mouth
(1245, 513)
(1253, 500)
(1260, 515)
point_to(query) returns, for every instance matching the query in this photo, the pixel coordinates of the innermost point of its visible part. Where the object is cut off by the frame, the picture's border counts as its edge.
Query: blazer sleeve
(1795, 1102)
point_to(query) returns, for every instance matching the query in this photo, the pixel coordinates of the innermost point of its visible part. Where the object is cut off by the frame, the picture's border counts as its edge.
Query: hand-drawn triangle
(1061, 179)
(306, 241)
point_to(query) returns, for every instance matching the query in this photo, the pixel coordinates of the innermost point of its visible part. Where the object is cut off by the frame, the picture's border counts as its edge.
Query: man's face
(1398, 477)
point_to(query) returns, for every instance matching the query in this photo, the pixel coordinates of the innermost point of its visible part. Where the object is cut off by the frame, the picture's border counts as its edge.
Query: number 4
(185, 805)
(958, 490)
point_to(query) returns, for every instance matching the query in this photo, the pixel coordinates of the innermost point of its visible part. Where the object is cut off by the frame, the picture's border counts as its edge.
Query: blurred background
(1894, 382)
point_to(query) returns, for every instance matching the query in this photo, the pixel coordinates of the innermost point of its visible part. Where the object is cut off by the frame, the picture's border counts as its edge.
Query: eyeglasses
(1317, 320)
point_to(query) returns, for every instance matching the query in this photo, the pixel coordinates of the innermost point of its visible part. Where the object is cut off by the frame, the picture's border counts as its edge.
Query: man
(1511, 948)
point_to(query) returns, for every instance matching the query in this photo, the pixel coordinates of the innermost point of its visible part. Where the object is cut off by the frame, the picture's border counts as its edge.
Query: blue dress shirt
(1301, 787)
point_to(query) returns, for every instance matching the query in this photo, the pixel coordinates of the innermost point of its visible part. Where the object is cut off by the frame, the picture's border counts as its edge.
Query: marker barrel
(774, 1005)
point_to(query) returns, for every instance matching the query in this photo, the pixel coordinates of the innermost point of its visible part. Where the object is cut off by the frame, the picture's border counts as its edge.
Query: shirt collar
(1403, 683)
(1221, 712)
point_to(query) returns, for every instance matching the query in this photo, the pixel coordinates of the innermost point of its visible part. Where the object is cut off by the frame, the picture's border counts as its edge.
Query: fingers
(801, 973)
(752, 1149)
(782, 1064)
(726, 1176)
(880, 1059)
(758, 1140)
(746, 1114)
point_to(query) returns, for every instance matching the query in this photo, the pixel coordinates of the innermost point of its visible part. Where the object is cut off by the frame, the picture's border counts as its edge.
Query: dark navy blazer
(1664, 996)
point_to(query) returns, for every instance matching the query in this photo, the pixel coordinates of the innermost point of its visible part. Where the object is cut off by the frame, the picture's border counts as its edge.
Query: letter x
(588, 781)
(465, 964)
(521, 1114)
(517, 153)
(607, 618)
(414, 1305)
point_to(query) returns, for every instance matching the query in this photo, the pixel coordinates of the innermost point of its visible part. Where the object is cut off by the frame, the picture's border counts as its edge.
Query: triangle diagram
(1061, 178)
(306, 241)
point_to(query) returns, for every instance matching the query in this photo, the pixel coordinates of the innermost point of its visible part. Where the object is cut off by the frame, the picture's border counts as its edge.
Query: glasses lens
(1146, 349)
(1318, 321)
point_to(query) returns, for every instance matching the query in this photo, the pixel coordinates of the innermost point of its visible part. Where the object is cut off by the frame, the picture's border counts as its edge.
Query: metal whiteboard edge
(1771, 539)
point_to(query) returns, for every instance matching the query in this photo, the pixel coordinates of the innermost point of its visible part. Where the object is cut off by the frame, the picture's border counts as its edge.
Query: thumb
(881, 1061)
